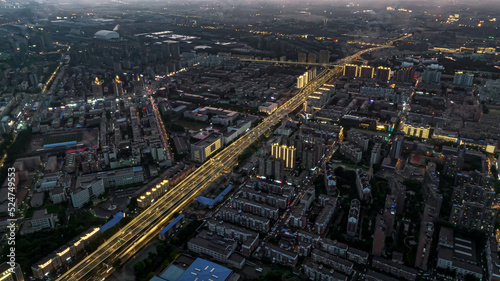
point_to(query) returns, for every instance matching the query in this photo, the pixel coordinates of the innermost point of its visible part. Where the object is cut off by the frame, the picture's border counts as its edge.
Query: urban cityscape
(226, 140)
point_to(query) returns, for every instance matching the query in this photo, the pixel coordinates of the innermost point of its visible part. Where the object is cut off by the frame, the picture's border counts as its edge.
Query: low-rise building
(318, 272)
(249, 239)
(280, 255)
(217, 247)
(87, 187)
(395, 269)
(351, 151)
(41, 220)
(245, 219)
(332, 261)
(268, 107)
(206, 147)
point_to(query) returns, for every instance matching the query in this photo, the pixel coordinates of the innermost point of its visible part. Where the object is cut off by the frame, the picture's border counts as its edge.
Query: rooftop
(203, 270)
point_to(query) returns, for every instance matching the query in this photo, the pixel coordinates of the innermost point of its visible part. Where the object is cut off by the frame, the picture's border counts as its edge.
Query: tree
(177, 128)
(486, 110)
(161, 249)
(470, 277)
(339, 171)
(132, 204)
(139, 266)
(150, 275)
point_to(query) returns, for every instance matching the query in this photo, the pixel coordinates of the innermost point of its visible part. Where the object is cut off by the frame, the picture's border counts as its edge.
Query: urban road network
(137, 233)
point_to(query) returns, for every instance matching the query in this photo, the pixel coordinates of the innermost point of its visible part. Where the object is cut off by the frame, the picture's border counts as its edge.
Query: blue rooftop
(203, 270)
(116, 218)
(156, 278)
(172, 273)
(59, 144)
(171, 224)
(211, 202)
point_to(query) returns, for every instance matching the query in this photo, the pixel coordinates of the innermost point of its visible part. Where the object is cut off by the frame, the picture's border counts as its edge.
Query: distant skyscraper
(138, 86)
(383, 73)
(463, 79)
(406, 74)
(117, 66)
(431, 76)
(118, 87)
(97, 88)
(300, 81)
(284, 152)
(366, 71)
(324, 56)
(302, 57)
(175, 50)
(350, 70)
(311, 58)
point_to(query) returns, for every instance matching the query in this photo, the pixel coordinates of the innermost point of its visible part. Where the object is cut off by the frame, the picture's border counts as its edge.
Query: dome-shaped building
(107, 35)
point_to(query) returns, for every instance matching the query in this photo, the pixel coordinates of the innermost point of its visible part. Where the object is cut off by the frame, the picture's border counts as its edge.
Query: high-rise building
(174, 50)
(97, 88)
(463, 78)
(379, 236)
(406, 74)
(366, 71)
(279, 166)
(383, 73)
(390, 213)
(324, 56)
(284, 152)
(117, 66)
(353, 219)
(300, 82)
(363, 185)
(431, 76)
(118, 87)
(311, 58)
(473, 207)
(425, 237)
(138, 86)
(397, 146)
(302, 57)
(350, 70)
(399, 191)
(11, 274)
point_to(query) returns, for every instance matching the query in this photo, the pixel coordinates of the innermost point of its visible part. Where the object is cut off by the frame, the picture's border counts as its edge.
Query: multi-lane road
(135, 235)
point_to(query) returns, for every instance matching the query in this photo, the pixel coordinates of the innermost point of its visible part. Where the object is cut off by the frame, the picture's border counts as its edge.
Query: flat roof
(172, 273)
(171, 224)
(203, 270)
(116, 218)
(210, 202)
